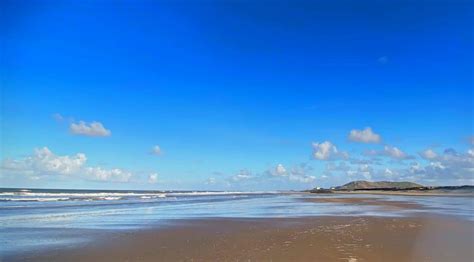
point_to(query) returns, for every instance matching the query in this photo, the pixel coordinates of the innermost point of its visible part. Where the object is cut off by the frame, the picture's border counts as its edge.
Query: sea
(36, 219)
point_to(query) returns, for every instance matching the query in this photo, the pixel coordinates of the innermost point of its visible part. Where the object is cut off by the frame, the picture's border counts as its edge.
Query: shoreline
(416, 238)
(400, 193)
(366, 228)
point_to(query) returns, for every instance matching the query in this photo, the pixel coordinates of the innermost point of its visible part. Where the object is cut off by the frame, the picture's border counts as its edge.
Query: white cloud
(364, 136)
(280, 170)
(394, 152)
(297, 173)
(341, 166)
(450, 165)
(324, 150)
(372, 161)
(156, 150)
(388, 173)
(365, 171)
(452, 157)
(437, 165)
(302, 179)
(415, 168)
(300, 174)
(447, 168)
(89, 129)
(44, 162)
(389, 151)
(470, 152)
(327, 151)
(112, 175)
(361, 171)
(428, 154)
(242, 175)
(211, 181)
(364, 168)
(153, 178)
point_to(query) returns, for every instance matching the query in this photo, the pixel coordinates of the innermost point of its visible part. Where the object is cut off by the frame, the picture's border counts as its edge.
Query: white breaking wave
(36, 199)
(150, 197)
(24, 196)
(216, 193)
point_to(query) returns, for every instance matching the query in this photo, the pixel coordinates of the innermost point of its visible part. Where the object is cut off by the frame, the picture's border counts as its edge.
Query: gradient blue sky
(237, 94)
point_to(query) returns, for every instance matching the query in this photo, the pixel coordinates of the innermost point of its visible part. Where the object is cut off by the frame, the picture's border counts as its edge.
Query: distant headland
(390, 187)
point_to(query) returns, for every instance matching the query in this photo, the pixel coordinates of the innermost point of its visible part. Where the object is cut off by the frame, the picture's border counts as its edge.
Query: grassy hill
(358, 185)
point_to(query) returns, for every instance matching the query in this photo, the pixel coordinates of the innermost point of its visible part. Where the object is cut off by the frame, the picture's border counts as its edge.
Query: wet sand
(288, 239)
(406, 193)
(371, 201)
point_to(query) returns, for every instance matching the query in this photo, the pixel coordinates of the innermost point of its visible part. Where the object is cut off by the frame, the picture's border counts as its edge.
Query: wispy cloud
(153, 178)
(389, 151)
(428, 154)
(450, 165)
(299, 173)
(243, 174)
(156, 150)
(211, 181)
(110, 175)
(58, 117)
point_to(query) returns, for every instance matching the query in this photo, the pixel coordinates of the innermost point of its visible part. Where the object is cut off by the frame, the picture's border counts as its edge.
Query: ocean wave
(38, 199)
(30, 196)
(154, 196)
(42, 194)
(50, 199)
(217, 193)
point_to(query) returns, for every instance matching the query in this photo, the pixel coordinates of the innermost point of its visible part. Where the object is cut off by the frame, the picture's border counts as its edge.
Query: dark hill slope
(359, 185)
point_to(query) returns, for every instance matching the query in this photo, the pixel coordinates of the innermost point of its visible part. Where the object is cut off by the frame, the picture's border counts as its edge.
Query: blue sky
(237, 95)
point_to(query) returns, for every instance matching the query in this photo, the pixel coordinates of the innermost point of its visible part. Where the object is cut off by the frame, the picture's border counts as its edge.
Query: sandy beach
(326, 238)
(304, 239)
(370, 201)
(405, 193)
(236, 130)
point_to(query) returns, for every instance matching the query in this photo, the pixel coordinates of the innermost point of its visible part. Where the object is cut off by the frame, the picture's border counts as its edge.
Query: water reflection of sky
(122, 213)
(37, 218)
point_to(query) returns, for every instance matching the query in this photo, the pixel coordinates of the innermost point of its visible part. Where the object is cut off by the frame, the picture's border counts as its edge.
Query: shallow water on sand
(32, 219)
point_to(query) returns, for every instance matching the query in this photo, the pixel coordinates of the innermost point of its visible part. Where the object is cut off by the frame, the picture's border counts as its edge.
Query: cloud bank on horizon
(447, 167)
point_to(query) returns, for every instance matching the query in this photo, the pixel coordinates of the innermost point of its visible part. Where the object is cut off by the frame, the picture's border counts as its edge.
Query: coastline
(418, 238)
(401, 193)
(279, 227)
